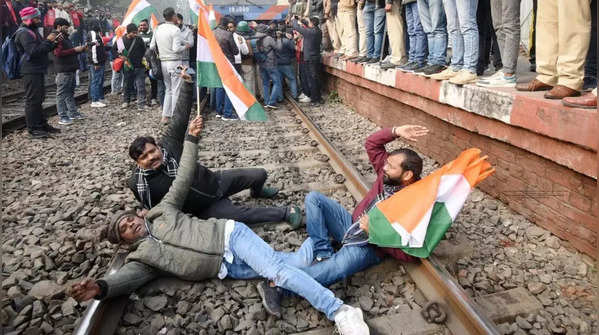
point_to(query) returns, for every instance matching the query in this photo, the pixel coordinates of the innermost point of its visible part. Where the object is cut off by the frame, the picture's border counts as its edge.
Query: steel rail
(463, 315)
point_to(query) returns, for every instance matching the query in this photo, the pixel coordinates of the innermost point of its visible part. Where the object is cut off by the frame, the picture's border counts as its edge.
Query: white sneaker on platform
(350, 321)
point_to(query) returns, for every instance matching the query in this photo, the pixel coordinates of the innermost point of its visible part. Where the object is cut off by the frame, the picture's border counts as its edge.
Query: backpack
(258, 50)
(12, 57)
(154, 63)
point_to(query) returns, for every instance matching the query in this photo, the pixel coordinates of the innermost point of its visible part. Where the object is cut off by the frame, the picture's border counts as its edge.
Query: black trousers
(313, 69)
(234, 181)
(35, 91)
(304, 79)
(487, 40)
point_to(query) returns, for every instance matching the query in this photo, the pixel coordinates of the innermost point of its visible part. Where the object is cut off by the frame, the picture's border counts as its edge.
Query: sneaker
(65, 121)
(497, 74)
(271, 107)
(464, 77)
(433, 69)
(305, 99)
(267, 193)
(104, 101)
(498, 81)
(79, 116)
(98, 104)
(301, 96)
(229, 118)
(388, 65)
(51, 130)
(412, 67)
(218, 116)
(271, 298)
(294, 216)
(38, 134)
(124, 105)
(446, 74)
(372, 61)
(153, 102)
(141, 108)
(405, 65)
(349, 320)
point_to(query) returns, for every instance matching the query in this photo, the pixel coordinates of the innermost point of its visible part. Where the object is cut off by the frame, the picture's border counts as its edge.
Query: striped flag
(416, 218)
(138, 10)
(215, 70)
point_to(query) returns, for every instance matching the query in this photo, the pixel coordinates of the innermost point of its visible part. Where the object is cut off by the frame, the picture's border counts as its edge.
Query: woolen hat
(112, 233)
(29, 13)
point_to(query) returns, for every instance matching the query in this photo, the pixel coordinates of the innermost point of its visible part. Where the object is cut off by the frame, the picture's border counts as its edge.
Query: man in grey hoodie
(169, 242)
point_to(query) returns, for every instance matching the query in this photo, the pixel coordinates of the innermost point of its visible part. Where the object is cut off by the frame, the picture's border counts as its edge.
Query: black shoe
(406, 65)
(388, 65)
(533, 67)
(372, 60)
(432, 69)
(356, 59)
(412, 67)
(271, 298)
(422, 69)
(51, 129)
(38, 134)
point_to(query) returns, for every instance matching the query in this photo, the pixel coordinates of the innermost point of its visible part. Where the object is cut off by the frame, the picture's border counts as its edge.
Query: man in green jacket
(168, 241)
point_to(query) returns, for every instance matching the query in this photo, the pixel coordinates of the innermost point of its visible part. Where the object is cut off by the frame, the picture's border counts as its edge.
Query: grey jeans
(506, 21)
(135, 85)
(66, 107)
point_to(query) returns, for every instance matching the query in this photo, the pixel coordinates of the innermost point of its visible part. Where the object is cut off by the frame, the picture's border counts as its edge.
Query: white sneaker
(497, 74)
(124, 105)
(153, 102)
(305, 99)
(98, 104)
(349, 321)
(302, 96)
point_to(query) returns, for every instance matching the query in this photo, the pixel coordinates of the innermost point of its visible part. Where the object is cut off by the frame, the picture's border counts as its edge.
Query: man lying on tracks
(326, 218)
(170, 242)
(157, 164)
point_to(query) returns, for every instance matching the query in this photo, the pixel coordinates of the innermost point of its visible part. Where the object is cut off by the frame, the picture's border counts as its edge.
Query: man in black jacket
(157, 165)
(131, 49)
(65, 65)
(224, 107)
(33, 68)
(312, 39)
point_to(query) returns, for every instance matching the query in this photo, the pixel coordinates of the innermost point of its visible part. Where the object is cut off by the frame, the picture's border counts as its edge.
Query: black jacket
(227, 43)
(286, 51)
(205, 187)
(65, 57)
(36, 49)
(312, 40)
(136, 54)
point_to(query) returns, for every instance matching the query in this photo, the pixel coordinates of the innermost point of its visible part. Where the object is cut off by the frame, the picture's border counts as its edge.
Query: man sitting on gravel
(157, 166)
(326, 218)
(168, 242)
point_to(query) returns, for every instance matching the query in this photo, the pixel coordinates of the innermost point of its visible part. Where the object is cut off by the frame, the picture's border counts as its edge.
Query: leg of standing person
(61, 95)
(34, 97)
(466, 17)
(153, 92)
(368, 18)
(590, 67)
(349, 37)
(289, 73)
(395, 28)
(168, 74)
(483, 19)
(362, 49)
(305, 79)
(100, 83)
(128, 89)
(333, 35)
(532, 53)
(420, 44)
(228, 112)
(71, 103)
(277, 85)
(547, 52)
(140, 85)
(219, 100)
(249, 78)
(314, 69)
(379, 31)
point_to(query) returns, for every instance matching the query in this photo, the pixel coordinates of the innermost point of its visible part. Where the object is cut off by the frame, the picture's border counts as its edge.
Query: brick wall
(554, 197)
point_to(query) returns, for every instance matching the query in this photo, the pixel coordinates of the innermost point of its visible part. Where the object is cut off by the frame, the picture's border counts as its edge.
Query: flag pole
(198, 100)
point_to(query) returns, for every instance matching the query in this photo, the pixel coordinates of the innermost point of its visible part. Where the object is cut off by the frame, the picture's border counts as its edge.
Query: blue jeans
(251, 253)
(432, 18)
(416, 35)
(374, 20)
(96, 86)
(462, 27)
(267, 74)
(287, 72)
(326, 217)
(224, 107)
(66, 107)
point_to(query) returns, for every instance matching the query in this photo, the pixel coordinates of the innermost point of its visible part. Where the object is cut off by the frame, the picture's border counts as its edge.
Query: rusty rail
(463, 315)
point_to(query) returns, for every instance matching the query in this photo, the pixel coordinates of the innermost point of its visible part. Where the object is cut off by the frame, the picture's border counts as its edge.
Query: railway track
(299, 150)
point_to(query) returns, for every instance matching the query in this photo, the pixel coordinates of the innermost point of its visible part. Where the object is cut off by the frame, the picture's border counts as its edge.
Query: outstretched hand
(195, 127)
(85, 290)
(410, 132)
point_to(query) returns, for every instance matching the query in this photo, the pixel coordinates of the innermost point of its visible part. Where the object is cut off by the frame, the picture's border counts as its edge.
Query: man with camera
(65, 65)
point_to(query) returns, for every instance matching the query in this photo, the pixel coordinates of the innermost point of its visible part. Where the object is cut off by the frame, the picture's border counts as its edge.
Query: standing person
(167, 39)
(333, 25)
(49, 18)
(117, 79)
(346, 11)
(301, 66)
(461, 24)
(78, 39)
(8, 19)
(146, 35)
(131, 49)
(224, 107)
(285, 57)
(267, 62)
(97, 60)
(432, 18)
(312, 37)
(65, 66)
(487, 40)
(563, 32)
(395, 29)
(33, 69)
(374, 20)
(248, 66)
(362, 49)
(242, 46)
(506, 21)
(417, 37)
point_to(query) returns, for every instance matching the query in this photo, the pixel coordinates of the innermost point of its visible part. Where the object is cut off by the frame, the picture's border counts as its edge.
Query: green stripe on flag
(144, 14)
(208, 75)
(255, 113)
(382, 234)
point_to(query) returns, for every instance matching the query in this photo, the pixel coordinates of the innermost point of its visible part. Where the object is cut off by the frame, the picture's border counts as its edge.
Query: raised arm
(375, 147)
(174, 136)
(187, 167)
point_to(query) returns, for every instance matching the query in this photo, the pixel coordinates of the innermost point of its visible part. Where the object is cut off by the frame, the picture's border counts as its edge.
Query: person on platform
(158, 162)
(33, 69)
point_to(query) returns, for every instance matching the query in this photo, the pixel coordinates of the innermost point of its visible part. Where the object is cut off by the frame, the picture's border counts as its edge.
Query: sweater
(65, 57)
(168, 39)
(36, 49)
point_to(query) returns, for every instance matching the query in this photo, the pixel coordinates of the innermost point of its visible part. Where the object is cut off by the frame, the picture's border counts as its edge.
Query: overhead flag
(138, 10)
(215, 70)
(416, 218)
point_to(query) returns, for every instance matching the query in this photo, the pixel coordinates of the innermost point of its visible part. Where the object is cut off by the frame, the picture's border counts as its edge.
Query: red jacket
(377, 154)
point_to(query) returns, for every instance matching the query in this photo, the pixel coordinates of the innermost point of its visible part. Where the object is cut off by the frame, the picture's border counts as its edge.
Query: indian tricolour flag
(215, 70)
(416, 218)
(138, 10)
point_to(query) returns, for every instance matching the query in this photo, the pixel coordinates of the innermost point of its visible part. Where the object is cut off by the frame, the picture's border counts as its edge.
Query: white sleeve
(243, 46)
(178, 43)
